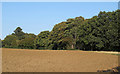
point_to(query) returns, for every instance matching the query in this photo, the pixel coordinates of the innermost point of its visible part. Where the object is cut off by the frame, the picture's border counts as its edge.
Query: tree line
(99, 33)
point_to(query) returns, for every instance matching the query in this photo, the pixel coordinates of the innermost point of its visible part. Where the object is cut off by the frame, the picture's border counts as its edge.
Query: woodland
(99, 33)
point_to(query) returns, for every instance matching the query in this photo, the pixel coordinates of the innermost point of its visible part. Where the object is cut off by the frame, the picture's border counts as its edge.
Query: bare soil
(24, 60)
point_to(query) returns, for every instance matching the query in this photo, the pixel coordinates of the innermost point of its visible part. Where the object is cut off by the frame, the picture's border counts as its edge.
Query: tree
(10, 41)
(100, 32)
(41, 41)
(26, 35)
(56, 35)
(73, 30)
(27, 43)
(19, 33)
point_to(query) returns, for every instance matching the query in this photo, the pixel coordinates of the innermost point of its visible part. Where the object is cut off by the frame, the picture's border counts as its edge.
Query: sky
(34, 17)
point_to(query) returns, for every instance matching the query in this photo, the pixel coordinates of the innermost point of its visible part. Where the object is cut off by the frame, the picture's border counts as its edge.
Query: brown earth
(23, 60)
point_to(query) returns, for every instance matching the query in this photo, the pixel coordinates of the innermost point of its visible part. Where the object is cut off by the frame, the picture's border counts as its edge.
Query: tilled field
(23, 60)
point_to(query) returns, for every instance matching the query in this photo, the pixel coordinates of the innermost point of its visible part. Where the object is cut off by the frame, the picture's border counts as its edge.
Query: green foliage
(64, 34)
(9, 41)
(97, 33)
(56, 35)
(41, 41)
(19, 39)
(26, 35)
(100, 33)
(19, 33)
(27, 43)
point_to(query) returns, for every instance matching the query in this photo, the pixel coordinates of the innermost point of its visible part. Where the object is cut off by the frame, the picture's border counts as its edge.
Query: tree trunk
(72, 47)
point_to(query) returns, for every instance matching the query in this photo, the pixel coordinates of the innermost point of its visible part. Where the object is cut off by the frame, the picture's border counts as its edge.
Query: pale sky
(34, 17)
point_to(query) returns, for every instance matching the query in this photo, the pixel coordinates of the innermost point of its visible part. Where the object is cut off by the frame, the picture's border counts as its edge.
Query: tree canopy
(99, 33)
(41, 41)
